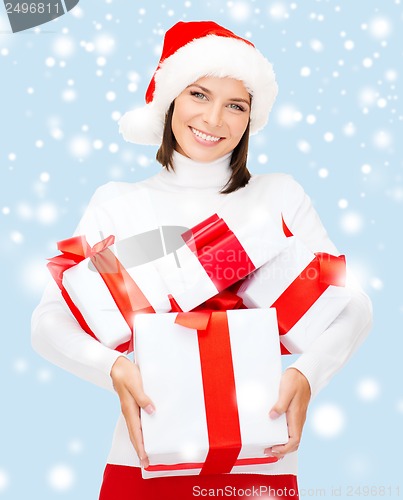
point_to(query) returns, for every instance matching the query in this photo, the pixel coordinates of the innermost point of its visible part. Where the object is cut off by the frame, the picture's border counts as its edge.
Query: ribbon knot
(332, 269)
(74, 250)
(78, 247)
(199, 317)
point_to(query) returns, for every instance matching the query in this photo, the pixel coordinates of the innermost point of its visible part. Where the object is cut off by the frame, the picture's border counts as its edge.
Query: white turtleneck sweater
(185, 197)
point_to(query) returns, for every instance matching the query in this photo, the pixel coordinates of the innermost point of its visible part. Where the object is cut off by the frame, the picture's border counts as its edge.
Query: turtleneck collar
(193, 174)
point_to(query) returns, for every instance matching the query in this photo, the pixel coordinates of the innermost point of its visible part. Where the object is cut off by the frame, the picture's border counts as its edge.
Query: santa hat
(191, 51)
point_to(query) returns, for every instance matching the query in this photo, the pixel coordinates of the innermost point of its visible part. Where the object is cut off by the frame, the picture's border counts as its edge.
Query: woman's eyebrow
(207, 91)
(239, 99)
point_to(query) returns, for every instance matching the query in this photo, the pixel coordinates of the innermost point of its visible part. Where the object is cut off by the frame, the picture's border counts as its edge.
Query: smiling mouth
(205, 137)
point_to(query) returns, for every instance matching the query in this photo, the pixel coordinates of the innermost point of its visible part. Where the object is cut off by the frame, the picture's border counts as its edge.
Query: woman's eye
(236, 107)
(199, 95)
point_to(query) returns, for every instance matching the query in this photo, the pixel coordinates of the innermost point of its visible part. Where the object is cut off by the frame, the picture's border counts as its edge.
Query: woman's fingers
(294, 396)
(295, 423)
(129, 387)
(136, 390)
(131, 413)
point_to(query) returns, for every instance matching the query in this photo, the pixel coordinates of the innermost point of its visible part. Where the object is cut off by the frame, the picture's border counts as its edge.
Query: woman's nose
(213, 115)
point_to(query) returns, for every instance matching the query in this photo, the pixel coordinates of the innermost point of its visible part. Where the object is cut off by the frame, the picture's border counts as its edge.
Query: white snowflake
(376, 283)
(278, 11)
(47, 213)
(304, 146)
(80, 147)
(396, 194)
(44, 177)
(288, 115)
(367, 96)
(262, 159)
(63, 46)
(75, 446)
(50, 62)
(368, 389)
(382, 103)
(349, 45)
(316, 45)
(34, 275)
(44, 375)
(382, 139)
(391, 75)
(4, 480)
(20, 365)
(380, 27)
(69, 95)
(328, 420)
(240, 11)
(351, 222)
(110, 96)
(61, 477)
(349, 129)
(104, 44)
(101, 61)
(77, 12)
(143, 161)
(367, 62)
(17, 237)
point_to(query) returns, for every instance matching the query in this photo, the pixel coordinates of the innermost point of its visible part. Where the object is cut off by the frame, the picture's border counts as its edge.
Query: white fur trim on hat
(211, 55)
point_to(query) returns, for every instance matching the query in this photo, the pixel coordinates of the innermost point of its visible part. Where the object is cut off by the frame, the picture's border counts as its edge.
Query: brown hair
(240, 174)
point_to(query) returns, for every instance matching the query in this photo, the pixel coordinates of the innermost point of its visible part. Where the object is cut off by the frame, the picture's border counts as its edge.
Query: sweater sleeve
(55, 333)
(331, 350)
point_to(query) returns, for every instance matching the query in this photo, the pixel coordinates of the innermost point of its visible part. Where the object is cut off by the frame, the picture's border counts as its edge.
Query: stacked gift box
(209, 358)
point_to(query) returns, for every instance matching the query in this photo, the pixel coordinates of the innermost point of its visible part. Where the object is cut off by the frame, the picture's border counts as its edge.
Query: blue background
(63, 87)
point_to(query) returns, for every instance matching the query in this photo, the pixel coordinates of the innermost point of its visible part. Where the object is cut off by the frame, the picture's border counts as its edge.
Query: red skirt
(125, 483)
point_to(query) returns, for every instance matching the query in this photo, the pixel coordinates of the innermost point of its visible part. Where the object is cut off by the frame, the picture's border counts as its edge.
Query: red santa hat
(191, 51)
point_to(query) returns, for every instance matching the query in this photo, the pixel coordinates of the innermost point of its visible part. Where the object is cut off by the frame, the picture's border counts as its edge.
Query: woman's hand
(294, 396)
(127, 382)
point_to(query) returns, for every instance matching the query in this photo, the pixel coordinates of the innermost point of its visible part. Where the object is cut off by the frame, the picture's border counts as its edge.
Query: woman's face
(210, 117)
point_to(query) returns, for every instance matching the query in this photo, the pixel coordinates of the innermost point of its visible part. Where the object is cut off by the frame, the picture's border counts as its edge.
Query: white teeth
(204, 136)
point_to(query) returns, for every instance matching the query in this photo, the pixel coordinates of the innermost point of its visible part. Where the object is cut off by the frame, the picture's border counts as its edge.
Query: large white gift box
(212, 388)
(220, 251)
(306, 289)
(105, 293)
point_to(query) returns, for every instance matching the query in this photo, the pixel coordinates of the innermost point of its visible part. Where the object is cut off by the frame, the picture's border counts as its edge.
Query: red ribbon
(210, 321)
(219, 251)
(323, 271)
(128, 297)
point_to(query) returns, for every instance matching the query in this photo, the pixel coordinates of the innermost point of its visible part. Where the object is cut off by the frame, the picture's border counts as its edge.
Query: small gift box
(213, 377)
(306, 289)
(218, 252)
(102, 294)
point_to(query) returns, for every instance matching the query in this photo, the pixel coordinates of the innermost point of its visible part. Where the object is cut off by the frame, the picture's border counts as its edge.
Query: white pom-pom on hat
(143, 125)
(191, 51)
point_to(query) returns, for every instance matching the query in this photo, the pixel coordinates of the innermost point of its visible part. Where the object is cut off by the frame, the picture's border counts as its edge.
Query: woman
(210, 91)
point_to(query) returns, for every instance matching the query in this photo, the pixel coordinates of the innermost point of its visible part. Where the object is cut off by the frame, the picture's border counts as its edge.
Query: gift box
(218, 252)
(306, 289)
(213, 377)
(103, 295)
